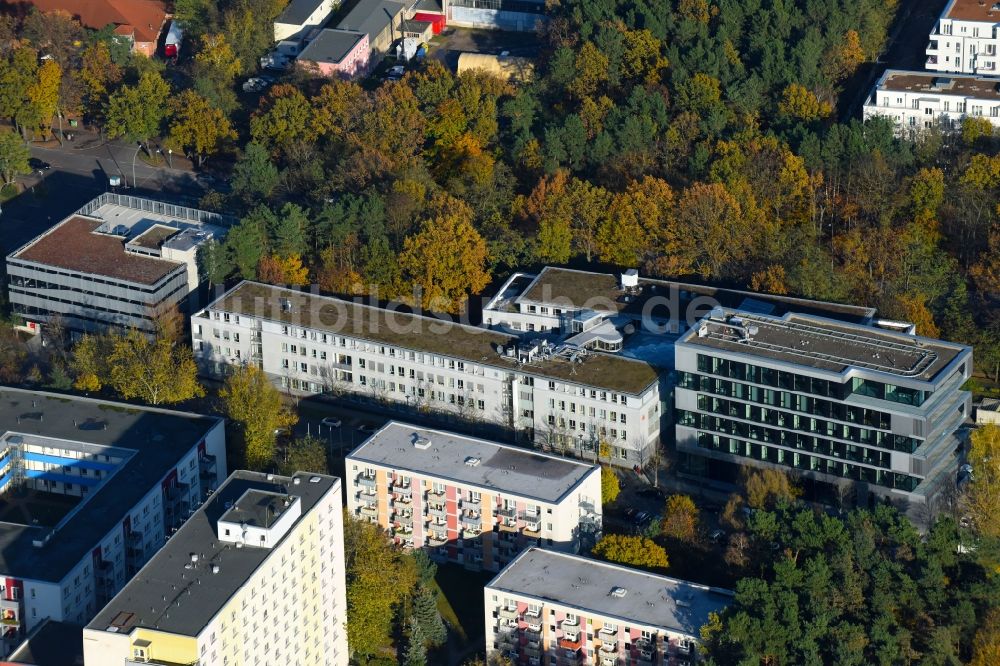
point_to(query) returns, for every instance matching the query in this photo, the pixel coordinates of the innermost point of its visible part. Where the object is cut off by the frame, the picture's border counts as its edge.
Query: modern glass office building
(842, 404)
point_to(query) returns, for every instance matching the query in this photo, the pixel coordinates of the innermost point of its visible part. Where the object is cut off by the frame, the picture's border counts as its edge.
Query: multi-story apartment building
(550, 608)
(90, 490)
(841, 404)
(118, 261)
(553, 393)
(255, 577)
(469, 500)
(965, 38)
(919, 101)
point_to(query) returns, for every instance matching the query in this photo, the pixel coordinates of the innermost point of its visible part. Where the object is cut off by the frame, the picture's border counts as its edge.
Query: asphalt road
(80, 172)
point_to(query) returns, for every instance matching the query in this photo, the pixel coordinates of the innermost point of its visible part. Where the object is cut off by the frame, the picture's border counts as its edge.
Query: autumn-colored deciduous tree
(680, 518)
(156, 371)
(914, 310)
(89, 363)
(100, 75)
(982, 497)
(986, 271)
(800, 103)
(549, 207)
(631, 550)
(764, 487)
(256, 406)
(278, 269)
(975, 128)
(771, 280)
(643, 59)
(610, 485)
(710, 218)
(591, 71)
(197, 126)
(446, 259)
(986, 644)
(43, 98)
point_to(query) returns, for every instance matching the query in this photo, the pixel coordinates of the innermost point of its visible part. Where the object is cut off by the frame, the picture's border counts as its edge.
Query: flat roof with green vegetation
(427, 334)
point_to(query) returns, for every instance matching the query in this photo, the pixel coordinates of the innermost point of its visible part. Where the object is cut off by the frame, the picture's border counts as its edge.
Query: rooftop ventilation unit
(630, 279)
(942, 83)
(717, 314)
(422, 443)
(472, 461)
(618, 592)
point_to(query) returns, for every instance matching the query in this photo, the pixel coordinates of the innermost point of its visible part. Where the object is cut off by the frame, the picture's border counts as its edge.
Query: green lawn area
(461, 600)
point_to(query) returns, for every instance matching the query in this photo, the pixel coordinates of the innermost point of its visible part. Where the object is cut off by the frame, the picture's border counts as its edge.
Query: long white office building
(965, 38)
(89, 491)
(920, 101)
(118, 261)
(472, 501)
(560, 395)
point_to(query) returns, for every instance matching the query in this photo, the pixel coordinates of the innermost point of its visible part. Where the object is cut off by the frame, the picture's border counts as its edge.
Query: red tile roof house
(140, 21)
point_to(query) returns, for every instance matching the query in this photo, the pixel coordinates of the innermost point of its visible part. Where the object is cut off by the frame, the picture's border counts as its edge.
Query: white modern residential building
(844, 405)
(553, 393)
(118, 261)
(90, 490)
(965, 38)
(469, 500)
(919, 101)
(256, 576)
(548, 607)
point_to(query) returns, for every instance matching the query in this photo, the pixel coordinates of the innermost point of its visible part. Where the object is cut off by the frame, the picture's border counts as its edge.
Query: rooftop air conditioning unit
(422, 443)
(618, 592)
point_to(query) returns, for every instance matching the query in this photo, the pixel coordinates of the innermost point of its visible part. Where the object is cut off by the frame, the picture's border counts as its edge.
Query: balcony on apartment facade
(436, 496)
(401, 490)
(506, 512)
(365, 481)
(368, 511)
(436, 539)
(437, 510)
(471, 504)
(508, 612)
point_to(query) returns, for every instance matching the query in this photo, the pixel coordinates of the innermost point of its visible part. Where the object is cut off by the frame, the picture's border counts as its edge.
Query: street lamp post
(133, 163)
(170, 154)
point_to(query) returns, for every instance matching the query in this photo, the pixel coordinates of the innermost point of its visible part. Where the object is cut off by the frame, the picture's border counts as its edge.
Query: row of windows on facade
(787, 439)
(574, 620)
(807, 423)
(86, 277)
(946, 29)
(30, 287)
(417, 357)
(806, 404)
(31, 310)
(803, 461)
(976, 110)
(804, 384)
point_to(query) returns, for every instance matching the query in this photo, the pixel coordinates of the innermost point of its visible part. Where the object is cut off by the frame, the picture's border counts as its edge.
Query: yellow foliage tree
(771, 280)
(447, 258)
(256, 407)
(218, 54)
(982, 497)
(680, 518)
(694, 10)
(88, 364)
(591, 71)
(764, 487)
(643, 59)
(99, 73)
(986, 644)
(800, 103)
(156, 371)
(975, 128)
(198, 126)
(635, 551)
(276, 269)
(914, 310)
(610, 486)
(43, 96)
